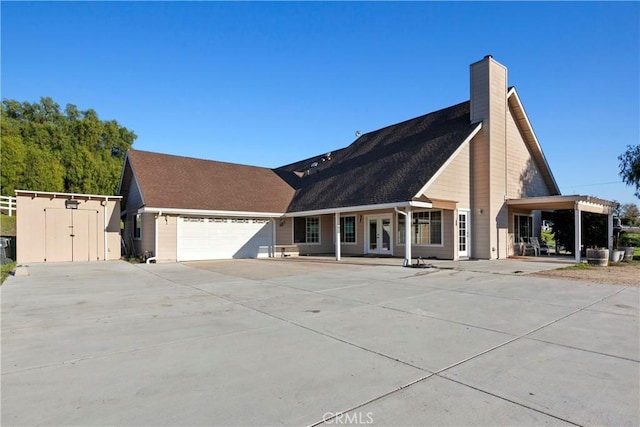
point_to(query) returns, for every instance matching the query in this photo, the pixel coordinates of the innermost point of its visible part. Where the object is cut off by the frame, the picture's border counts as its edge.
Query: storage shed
(60, 227)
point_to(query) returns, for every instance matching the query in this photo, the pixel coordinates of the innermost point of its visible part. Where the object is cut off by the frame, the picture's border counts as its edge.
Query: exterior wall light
(71, 204)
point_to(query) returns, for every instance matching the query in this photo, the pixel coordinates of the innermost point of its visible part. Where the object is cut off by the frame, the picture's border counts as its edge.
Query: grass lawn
(6, 270)
(7, 225)
(7, 228)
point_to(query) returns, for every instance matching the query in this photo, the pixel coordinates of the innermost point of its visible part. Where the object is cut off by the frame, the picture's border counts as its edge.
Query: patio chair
(544, 249)
(536, 245)
(527, 245)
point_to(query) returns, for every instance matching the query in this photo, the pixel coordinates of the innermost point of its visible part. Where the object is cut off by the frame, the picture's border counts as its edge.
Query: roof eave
(134, 176)
(208, 212)
(53, 194)
(360, 208)
(533, 139)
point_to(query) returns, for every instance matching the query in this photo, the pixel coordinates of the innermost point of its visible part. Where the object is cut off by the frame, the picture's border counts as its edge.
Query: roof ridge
(199, 159)
(312, 158)
(422, 116)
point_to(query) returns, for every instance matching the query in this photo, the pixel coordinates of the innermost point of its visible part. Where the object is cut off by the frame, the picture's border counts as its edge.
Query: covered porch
(377, 230)
(578, 204)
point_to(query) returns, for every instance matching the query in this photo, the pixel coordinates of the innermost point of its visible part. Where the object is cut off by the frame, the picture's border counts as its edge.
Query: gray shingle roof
(385, 166)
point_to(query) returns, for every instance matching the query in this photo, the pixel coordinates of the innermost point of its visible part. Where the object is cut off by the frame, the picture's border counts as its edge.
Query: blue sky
(271, 83)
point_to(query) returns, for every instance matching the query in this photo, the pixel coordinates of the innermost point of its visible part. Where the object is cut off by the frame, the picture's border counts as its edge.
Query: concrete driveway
(272, 342)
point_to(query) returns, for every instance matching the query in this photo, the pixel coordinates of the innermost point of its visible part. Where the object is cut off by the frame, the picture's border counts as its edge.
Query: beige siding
(454, 182)
(44, 230)
(523, 175)
(284, 231)
(488, 151)
(167, 238)
(479, 96)
(326, 245)
(284, 236)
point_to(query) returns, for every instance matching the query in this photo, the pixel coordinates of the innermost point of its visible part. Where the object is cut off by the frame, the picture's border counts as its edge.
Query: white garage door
(202, 238)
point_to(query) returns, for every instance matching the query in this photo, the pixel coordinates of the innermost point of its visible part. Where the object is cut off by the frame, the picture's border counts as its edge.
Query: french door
(378, 235)
(463, 234)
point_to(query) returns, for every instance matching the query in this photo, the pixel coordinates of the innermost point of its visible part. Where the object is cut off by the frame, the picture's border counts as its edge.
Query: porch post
(408, 223)
(610, 230)
(272, 250)
(337, 235)
(578, 232)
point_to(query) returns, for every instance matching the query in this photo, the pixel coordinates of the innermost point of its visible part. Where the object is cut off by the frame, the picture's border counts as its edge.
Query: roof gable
(175, 182)
(526, 130)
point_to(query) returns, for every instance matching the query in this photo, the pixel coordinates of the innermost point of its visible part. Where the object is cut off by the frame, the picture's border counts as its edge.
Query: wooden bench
(287, 250)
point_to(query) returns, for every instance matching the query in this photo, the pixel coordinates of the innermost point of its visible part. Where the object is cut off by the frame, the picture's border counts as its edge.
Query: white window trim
(293, 231)
(422, 245)
(133, 234)
(355, 230)
(533, 220)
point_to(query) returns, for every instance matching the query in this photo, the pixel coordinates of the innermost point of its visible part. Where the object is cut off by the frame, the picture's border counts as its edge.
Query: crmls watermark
(348, 418)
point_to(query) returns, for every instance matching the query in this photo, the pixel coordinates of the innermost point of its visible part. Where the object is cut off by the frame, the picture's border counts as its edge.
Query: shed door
(71, 235)
(223, 238)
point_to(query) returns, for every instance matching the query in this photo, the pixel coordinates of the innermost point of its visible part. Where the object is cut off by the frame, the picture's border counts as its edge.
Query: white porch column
(155, 237)
(106, 228)
(610, 230)
(578, 232)
(337, 235)
(408, 222)
(272, 251)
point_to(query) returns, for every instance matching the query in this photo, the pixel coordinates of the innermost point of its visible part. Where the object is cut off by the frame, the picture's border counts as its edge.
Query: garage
(63, 227)
(204, 238)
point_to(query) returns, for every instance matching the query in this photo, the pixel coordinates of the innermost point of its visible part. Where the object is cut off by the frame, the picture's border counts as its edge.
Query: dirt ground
(624, 273)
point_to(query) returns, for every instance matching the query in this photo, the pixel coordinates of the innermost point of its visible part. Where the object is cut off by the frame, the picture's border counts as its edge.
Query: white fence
(8, 204)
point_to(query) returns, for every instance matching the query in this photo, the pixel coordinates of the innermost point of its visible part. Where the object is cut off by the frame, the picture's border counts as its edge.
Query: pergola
(578, 204)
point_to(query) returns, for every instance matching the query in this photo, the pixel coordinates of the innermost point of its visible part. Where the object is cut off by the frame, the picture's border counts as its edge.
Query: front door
(378, 238)
(463, 233)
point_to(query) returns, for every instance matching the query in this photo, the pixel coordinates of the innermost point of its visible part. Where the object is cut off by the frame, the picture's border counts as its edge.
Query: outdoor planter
(599, 257)
(616, 255)
(628, 253)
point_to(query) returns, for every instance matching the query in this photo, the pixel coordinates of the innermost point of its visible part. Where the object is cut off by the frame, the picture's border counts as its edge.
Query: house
(470, 179)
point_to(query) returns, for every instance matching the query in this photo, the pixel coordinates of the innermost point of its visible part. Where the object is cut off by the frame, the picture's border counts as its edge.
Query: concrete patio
(281, 342)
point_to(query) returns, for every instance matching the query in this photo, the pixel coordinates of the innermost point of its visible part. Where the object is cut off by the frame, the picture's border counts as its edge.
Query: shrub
(630, 239)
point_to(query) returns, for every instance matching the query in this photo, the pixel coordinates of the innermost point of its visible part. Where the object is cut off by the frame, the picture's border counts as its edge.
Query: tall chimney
(488, 168)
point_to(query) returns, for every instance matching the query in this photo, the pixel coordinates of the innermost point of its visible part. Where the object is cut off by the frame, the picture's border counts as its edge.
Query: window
(306, 229)
(522, 227)
(348, 229)
(426, 228)
(137, 229)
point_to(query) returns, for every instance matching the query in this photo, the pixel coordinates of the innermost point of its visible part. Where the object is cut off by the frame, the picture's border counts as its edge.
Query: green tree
(44, 148)
(594, 229)
(629, 214)
(11, 171)
(630, 167)
(42, 171)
